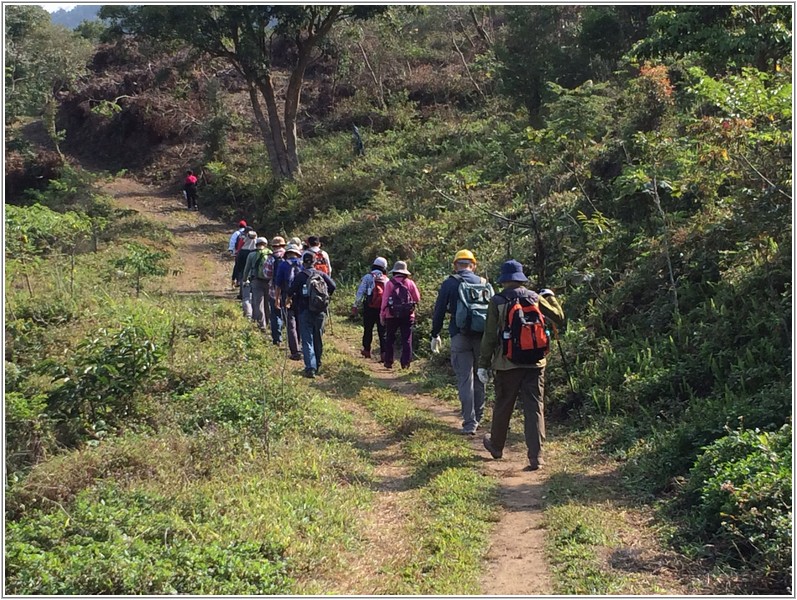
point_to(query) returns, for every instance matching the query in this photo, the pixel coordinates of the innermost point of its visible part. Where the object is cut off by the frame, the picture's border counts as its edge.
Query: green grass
(233, 476)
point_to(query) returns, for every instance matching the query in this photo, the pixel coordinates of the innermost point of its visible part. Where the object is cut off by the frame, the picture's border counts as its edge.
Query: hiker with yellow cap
(465, 296)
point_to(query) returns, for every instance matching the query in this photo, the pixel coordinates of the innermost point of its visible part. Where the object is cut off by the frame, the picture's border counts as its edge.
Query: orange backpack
(320, 263)
(525, 339)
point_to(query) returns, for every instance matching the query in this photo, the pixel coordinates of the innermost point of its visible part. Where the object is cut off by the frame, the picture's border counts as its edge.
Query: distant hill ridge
(75, 16)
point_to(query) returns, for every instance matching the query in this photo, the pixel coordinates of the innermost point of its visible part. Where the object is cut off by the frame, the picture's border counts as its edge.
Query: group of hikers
(504, 335)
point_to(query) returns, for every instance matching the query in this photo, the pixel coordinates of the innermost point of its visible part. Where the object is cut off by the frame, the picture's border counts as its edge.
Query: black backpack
(318, 293)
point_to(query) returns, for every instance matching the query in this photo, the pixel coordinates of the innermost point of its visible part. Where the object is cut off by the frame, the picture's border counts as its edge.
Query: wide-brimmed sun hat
(297, 250)
(278, 241)
(261, 240)
(400, 268)
(512, 270)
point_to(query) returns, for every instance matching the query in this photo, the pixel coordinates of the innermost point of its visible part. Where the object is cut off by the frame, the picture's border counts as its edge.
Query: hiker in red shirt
(189, 189)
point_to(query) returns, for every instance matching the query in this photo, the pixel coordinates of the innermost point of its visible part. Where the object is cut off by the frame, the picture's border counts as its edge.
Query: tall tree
(247, 37)
(40, 60)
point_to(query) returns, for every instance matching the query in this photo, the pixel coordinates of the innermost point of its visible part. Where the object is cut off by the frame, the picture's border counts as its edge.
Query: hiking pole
(564, 359)
(329, 320)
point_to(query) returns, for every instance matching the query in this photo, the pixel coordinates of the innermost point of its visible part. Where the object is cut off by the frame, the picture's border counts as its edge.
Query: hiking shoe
(405, 366)
(388, 365)
(309, 373)
(365, 353)
(467, 432)
(382, 357)
(488, 445)
(532, 467)
(296, 356)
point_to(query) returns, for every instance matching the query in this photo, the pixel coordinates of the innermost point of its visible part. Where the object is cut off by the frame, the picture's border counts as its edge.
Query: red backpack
(525, 340)
(375, 298)
(320, 263)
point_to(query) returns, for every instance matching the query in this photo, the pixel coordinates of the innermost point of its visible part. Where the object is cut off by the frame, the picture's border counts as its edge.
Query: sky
(52, 7)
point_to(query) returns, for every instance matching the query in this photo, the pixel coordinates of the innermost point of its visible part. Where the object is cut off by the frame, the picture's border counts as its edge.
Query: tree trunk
(275, 127)
(292, 98)
(265, 131)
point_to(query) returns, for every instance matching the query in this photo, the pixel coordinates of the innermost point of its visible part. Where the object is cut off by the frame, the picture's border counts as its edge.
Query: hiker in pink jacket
(398, 313)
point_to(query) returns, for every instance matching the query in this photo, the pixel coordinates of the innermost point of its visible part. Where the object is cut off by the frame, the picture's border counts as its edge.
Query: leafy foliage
(741, 490)
(99, 389)
(41, 59)
(141, 262)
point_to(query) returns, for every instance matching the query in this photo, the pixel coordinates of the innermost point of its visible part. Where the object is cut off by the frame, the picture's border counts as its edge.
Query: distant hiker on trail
(286, 271)
(235, 235)
(465, 296)
(320, 257)
(244, 245)
(277, 256)
(514, 346)
(369, 297)
(357, 141)
(398, 313)
(189, 190)
(253, 274)
(233, 248)
(310, 293)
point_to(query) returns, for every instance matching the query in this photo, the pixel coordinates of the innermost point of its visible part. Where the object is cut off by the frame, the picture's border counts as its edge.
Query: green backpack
(474, 298)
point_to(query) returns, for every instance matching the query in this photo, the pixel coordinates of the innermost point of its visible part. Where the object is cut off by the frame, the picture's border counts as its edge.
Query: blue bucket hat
(512, 270)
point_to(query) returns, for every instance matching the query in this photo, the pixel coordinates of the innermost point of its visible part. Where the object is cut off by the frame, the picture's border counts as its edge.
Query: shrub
(740, 491)
(98, 390)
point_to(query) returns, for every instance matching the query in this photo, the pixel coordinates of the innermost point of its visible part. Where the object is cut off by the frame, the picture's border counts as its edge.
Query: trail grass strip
(449, 505)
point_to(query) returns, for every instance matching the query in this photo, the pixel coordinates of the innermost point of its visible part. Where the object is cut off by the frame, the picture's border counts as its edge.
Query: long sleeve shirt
(269, 270)
(446, 302)
(492, 354)
(286, 271)
(300, 301)
(234, 239)
(415, 294)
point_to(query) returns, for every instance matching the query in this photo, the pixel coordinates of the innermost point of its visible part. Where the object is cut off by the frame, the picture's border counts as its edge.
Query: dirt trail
(204, 240)
(516, 563)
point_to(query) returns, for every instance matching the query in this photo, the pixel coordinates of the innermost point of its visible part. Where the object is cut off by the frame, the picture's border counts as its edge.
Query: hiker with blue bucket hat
(514, 345)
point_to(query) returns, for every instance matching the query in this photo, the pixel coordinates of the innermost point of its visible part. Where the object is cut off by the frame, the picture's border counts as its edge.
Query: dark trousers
(371, 318)
(240, 263)
(526, 386)
(291, 320)
(275, 322)
(190, 197)
(392, 326)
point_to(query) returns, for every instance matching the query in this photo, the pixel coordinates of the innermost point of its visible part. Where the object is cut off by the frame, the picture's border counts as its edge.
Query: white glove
(483, 375)
(437, 343)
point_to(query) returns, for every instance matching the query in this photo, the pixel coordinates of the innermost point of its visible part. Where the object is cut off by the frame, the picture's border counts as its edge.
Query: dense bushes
(739, 498)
